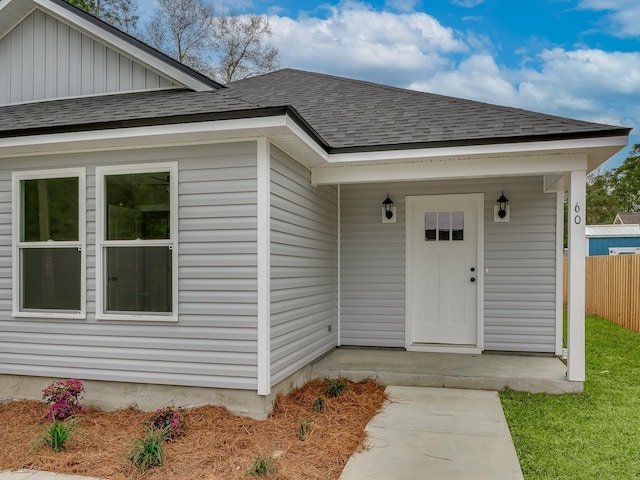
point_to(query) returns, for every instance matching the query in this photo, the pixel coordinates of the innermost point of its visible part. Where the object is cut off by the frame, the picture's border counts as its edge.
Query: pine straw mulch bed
(216, 445)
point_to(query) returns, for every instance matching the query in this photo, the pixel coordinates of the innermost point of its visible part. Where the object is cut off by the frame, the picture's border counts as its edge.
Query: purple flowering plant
(169, 421)
(63, 398)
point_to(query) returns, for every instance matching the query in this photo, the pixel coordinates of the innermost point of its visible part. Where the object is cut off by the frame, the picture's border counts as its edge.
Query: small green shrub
(304, 428)
(335, 387)
(318, 404)
(56, 436)
(148, 452)
(262, 466)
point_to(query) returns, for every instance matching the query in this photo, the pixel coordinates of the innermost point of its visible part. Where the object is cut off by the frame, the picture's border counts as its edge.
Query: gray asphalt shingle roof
(346, 115)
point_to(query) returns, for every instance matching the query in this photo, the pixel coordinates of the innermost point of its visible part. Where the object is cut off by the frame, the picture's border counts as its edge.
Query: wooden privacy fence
(613, 288)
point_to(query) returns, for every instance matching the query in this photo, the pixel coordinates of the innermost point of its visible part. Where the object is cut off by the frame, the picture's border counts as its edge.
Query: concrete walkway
(33, 475)
(441, 433)
(422, 432)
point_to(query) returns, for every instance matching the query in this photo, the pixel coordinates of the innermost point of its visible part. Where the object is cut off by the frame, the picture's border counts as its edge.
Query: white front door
(443, 271)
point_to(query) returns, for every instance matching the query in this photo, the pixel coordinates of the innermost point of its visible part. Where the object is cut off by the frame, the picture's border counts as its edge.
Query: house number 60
(577, 219)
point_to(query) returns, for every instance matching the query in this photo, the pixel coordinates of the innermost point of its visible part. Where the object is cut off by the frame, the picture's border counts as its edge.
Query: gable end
(43, 58)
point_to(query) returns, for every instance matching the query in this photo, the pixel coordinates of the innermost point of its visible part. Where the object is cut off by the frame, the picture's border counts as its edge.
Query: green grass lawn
(595, 434)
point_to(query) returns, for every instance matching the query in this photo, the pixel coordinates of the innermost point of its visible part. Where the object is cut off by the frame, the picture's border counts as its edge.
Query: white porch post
(576, 271)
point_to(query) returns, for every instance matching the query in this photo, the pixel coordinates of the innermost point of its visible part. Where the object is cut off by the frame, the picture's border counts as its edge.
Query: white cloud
(623, 19)
(592, 85)
(357, 39)
(477, 77)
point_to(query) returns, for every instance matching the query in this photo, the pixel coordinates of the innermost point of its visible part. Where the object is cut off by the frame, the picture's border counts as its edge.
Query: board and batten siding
(44, 58)
(519, 261)
(214, 341)
(304, 267)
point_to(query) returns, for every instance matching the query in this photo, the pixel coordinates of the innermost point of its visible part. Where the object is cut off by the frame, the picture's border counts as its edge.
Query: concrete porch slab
(525, 373)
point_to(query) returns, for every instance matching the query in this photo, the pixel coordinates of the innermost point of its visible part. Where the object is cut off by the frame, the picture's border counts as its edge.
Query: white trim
(559, 269)
(339, 265)
(557, 146)
(576, 291)
(450, 169)
(124, 47)
(172, 242)
(306, 139)
(264, 265)
(435, 348)
(17, 245)
(136, 138)
(411, 346)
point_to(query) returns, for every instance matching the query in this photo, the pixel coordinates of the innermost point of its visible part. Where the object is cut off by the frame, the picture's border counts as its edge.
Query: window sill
(138, 318)
(38, 315)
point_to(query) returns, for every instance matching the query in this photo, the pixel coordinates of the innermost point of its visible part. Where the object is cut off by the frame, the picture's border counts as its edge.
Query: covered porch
(488, 371)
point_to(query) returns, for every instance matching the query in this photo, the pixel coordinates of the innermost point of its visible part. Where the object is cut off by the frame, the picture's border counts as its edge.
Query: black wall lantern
(501, 209)
(388, 211)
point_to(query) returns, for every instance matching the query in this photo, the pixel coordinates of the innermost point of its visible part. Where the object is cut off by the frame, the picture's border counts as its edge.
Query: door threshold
(443, 348)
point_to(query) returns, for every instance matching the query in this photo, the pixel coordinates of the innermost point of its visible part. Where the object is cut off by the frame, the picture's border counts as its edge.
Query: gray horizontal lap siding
(519, 283)
(43, 58)
(303, 267)
(213, 344)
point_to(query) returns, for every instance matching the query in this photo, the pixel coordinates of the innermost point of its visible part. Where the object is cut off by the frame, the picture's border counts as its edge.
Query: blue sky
(574, 58)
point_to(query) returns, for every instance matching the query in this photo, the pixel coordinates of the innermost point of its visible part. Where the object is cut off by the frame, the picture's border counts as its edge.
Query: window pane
(138, 206)
(457, 225)
(444, 225)
(430, 221)
(51, 278)
(138, 279)
(49, 209)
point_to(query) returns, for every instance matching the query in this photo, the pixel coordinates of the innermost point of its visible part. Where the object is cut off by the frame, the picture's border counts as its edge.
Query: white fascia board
(306, 139)
(460, 168)
(126, 48)
(490, 149)
(141, 137)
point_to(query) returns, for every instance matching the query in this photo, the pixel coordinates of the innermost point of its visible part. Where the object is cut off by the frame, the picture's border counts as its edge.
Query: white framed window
(137, 242)
(49, 249)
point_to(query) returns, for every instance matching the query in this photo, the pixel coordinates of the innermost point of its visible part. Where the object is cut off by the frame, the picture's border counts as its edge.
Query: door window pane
(431, 224)
(444, 225)
(457, 225)
(51, 278)
(138, 206)
(138, 279)
(49, 209)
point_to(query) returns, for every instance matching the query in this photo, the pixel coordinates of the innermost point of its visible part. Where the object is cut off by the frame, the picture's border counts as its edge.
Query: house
(627, 218)
(164, 233)
(612, 239)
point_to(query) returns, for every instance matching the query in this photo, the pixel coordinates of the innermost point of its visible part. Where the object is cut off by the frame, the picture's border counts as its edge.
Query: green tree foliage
(613, 191)
(627, 182)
